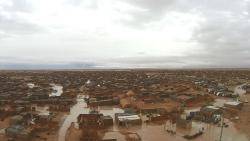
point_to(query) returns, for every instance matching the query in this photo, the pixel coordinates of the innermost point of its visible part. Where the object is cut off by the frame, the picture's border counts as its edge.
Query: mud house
(210, 113)
(107, 120)
(103, 102)
(191, 113)
(90, 121)
(90, 125)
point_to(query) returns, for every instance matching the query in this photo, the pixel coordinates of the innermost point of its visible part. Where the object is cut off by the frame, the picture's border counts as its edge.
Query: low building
(210, 113)
(234, 105)
(107, 121)
(105, 102)
(123, 119)
(90, 121)
(191, 113)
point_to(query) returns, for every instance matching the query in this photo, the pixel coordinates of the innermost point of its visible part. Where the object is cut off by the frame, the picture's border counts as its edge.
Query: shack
(90, 121)
(107, 120)
(234, 105)
(123, 119)
(210, 113)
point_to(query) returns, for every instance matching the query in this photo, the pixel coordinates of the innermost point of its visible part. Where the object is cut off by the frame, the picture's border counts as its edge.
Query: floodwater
(219, 102)
(31, 85)
(57, 90)
(81, 108)
(152, 132)
(212, 132)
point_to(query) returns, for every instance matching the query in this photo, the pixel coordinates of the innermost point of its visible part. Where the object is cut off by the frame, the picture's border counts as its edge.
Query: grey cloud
(155, 10)
(92, 4)
(74, 2)
(12, 24)
(17, 27)
(224, 37)
(3, 35)
(152, 10)
(148, 62)
(18, 6)
(153, 6)
(27, 66)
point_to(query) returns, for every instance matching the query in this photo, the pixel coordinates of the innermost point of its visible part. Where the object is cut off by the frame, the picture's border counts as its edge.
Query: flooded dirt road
(79, 108)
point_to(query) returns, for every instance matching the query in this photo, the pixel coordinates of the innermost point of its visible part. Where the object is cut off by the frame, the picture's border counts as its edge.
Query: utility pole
(222, 125)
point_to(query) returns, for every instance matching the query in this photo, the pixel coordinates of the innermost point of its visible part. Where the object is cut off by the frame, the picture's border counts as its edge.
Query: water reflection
(57, 90)
(31, 85)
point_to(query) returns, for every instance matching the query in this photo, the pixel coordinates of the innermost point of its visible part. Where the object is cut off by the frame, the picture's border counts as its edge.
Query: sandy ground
(3, 124)
(45, 136)
(243, 124)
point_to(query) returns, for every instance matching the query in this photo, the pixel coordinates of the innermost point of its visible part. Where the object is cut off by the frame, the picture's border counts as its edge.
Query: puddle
(57, 90)
(31, 85)
(219, 102)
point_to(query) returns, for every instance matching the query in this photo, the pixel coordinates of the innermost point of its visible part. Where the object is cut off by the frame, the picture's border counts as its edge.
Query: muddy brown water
(81, 108)
(156, 132)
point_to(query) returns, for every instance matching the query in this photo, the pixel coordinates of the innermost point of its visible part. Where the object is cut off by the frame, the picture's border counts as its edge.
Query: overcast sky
(124, 33)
